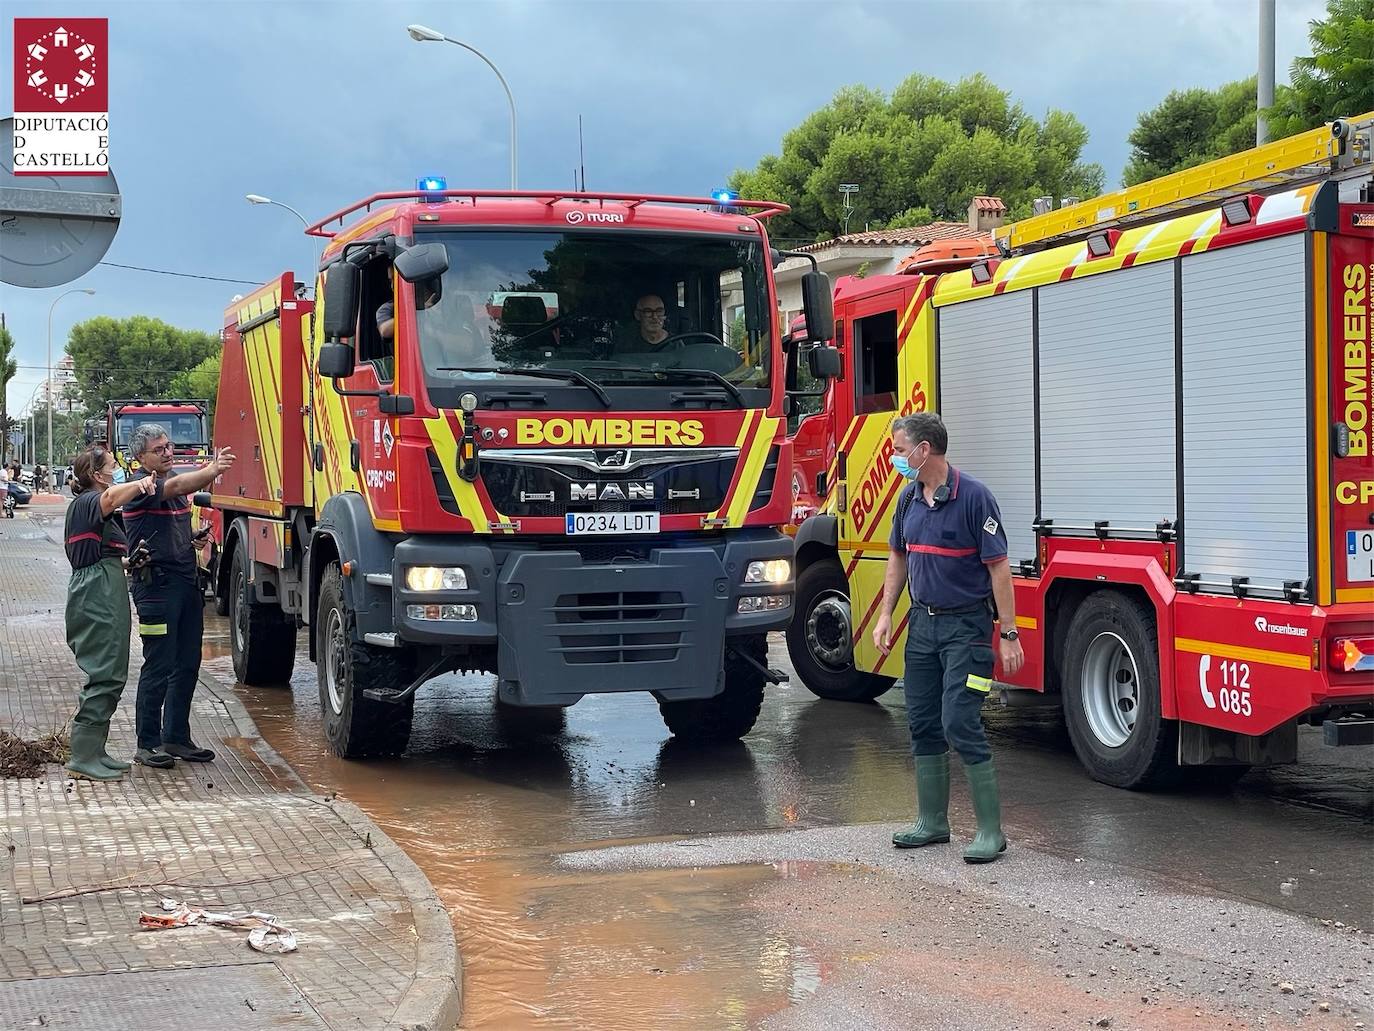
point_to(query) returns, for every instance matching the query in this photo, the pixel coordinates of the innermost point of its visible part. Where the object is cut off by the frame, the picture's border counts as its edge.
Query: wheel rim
(1111, 689)
(829, 633)
(334, 660)
(240, 613)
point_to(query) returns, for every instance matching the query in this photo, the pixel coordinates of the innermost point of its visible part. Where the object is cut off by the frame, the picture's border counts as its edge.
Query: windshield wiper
(570, 375)
(698, 374)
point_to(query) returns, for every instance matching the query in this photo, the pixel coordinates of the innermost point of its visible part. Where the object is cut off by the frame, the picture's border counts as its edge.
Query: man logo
(643, 491)
(612, 459)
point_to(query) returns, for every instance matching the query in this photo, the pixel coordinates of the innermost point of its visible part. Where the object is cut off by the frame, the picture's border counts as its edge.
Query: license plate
(1359, 555)
(594, 523)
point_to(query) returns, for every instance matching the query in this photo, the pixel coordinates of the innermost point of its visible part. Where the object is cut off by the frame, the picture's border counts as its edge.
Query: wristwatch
(1011, 635)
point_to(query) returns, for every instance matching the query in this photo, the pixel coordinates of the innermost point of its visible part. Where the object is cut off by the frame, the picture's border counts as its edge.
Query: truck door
(867, 402)
(372, 453)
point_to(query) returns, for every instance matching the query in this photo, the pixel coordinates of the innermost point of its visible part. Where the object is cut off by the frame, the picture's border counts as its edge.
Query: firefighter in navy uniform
(171, 619)
(950, 549)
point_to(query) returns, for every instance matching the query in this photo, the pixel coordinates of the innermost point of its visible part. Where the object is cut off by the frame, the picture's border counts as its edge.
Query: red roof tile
(993, 204)
(913, 236)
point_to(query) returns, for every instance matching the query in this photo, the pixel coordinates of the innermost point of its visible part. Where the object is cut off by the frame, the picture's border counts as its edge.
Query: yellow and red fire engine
(535, 433)
(1168, 390)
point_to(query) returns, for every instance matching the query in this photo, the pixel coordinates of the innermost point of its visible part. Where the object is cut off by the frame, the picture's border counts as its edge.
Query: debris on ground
(22, 758)
(265, 933)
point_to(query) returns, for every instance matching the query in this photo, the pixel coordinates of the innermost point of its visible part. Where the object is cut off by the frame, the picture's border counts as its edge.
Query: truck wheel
(1112, 695)
(820, 638)
(732, 713)
(262, 640)
(357, 727)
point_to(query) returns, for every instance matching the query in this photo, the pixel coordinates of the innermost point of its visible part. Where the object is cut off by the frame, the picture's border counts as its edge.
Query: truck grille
(609, 627)
(534, 489)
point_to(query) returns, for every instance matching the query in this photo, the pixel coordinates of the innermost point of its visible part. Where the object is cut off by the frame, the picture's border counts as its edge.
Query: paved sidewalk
(376, 948)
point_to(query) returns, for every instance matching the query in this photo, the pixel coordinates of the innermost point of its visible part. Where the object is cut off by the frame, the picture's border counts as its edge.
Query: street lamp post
(257, 198)
(421, 34)
(80, 290)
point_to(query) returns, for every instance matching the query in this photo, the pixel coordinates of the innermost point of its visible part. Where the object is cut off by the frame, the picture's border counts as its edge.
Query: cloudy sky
(318, 104)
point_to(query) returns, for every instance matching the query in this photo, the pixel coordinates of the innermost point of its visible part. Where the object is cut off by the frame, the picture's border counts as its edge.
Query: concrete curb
(434, 1001)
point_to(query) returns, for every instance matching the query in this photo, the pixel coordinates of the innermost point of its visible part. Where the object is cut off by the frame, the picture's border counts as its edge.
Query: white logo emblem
(991, 525)
(574, 217)
(1265, 627)
(387, 438)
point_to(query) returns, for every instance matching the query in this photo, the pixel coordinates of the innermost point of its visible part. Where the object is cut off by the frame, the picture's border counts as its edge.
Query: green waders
(98, 635)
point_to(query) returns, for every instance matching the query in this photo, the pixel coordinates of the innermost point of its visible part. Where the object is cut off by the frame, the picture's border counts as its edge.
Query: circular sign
(53, 228)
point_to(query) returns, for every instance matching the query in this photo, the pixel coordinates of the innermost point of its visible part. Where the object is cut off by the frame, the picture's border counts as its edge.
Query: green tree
(1337, 80)
(133, 357)
(67, 430)
(922, 154)
(1190, 127)
(9, 366)
(200, 382)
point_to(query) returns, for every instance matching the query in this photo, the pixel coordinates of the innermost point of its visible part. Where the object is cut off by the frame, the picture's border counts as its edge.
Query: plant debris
(21, 758)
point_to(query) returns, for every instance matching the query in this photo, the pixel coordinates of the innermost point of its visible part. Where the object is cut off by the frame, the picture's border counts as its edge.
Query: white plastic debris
(265, 932)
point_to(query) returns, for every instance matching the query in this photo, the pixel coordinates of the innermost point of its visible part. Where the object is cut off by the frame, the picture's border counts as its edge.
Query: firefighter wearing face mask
(949, 550)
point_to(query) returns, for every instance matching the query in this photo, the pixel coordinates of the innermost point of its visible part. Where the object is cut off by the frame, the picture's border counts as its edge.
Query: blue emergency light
(725, 196)
(432, 184)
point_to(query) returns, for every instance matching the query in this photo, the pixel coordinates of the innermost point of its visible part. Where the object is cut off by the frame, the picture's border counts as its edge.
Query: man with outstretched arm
(171, 617)
(949, 550)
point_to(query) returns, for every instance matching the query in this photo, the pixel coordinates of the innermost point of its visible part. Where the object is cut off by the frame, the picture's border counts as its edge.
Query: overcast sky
(319, 104)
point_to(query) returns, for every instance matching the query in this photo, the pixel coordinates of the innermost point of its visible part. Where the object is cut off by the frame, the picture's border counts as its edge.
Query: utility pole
(1264, 87)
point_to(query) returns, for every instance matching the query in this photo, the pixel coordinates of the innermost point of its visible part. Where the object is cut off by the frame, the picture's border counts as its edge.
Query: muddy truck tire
(262, 639)
(1111, 694)
(820, 638)
(732, 713)
(357, 727)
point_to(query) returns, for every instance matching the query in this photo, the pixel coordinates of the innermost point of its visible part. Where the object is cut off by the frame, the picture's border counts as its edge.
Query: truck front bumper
(566, 622)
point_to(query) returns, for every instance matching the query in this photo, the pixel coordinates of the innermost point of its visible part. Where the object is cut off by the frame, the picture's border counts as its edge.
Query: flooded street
(491, 806)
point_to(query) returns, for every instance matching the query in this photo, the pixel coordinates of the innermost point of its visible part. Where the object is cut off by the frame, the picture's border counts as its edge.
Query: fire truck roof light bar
(1339, 148)
(760, 208)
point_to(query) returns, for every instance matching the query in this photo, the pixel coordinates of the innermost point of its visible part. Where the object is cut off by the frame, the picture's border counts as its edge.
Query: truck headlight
(764, 603)
(771, 571)
(446, 613)
(436, 578)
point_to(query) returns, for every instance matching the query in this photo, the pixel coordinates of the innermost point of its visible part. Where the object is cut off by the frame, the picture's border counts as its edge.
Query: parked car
(22, 494)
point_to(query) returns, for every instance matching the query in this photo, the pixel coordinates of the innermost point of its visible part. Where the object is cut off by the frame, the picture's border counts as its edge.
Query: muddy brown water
(484, 802)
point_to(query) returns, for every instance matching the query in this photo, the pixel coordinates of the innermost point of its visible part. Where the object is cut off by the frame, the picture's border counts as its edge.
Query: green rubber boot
(989, 842)
(932, 804)
(88, 745)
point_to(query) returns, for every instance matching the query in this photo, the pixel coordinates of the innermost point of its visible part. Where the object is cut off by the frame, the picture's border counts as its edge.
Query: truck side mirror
(335, 361)
(423, 261)
(396, 404)
(341, 294)
(818, 304)
(824, 362)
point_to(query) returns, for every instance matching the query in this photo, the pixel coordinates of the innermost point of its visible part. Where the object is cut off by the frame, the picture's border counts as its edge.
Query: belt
(936, 610)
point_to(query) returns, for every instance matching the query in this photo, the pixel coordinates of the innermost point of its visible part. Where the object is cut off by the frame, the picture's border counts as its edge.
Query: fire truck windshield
(183, 429)
(625, 308)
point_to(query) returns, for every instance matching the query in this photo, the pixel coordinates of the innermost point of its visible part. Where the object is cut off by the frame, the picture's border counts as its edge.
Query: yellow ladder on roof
(1341, 146)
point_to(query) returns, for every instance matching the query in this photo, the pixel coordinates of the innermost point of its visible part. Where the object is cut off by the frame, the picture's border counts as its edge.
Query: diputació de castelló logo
(61, 96)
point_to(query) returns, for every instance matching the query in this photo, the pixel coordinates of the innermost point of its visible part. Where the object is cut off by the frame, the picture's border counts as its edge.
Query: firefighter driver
(949, 550)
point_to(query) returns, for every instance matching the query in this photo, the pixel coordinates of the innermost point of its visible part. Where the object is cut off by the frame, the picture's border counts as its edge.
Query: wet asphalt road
(491, 807)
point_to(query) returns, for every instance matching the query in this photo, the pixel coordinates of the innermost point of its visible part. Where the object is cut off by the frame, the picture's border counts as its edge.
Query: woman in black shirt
(98, 606)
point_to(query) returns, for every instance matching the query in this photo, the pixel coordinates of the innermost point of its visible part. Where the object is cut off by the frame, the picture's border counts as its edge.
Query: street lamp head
(257, 198)
(423, 34)
(86, 291)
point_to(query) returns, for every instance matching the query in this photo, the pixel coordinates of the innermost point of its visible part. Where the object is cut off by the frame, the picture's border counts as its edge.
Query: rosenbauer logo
(61, 96)
(578, 217)
(1265, 627)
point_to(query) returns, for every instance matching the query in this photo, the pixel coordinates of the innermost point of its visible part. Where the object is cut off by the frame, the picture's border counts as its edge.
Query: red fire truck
(184, 421)
(567, 464)
(1167, 389)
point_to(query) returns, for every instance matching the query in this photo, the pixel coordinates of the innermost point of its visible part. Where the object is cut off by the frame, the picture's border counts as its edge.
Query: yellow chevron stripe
(445, 443)
(753, 470)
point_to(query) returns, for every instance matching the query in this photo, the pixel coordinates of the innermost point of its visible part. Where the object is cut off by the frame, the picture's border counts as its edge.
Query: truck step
(382, 640)
(1342, 733)
(373, 695)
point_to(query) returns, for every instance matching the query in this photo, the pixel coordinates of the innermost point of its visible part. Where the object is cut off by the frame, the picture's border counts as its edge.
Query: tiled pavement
(376, 948)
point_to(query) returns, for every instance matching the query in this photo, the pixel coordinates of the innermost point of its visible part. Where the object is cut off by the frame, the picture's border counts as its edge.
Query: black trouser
(171, 623)
(947, 677)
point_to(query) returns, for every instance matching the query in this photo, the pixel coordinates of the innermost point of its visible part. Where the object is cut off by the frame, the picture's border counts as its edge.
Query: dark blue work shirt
(165, 523)
(949, 546)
